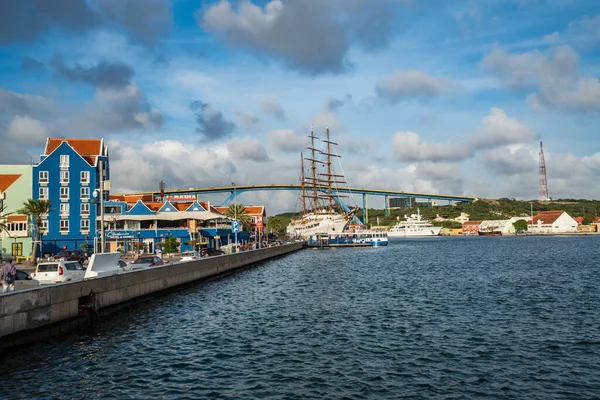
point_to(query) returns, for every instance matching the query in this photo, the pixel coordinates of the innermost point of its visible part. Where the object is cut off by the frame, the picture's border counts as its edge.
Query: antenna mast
(543, 189)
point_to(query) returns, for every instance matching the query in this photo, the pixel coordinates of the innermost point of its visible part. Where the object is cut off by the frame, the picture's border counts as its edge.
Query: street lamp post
(234, 215)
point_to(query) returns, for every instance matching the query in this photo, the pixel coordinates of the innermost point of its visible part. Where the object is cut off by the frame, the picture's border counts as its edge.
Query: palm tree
(36, 210)
(275, 224)
(238, 211)
(3, 220)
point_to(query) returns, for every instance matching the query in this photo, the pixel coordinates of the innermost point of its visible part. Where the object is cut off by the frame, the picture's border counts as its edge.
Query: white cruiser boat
(413, 226)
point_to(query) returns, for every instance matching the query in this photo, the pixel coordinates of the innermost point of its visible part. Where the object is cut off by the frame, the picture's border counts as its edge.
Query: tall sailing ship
(323, 220)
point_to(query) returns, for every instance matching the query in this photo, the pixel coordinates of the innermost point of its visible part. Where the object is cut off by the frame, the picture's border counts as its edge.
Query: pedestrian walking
(8, 275)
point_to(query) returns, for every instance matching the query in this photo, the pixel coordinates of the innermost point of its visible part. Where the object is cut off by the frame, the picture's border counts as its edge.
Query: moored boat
(413, 226)
(360, 238)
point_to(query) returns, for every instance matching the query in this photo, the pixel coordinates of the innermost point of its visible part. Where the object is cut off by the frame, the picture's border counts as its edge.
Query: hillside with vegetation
(482, 209)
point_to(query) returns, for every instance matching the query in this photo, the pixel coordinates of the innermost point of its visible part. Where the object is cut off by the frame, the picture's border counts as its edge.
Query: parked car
(212, 252)
(25, 281)
(124, 265)
(146, 261)
(71, 255)
(58, 272)
(190, 256)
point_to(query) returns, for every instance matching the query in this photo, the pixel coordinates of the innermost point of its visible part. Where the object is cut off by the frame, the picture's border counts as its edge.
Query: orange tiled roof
(89, 149)
(214, 209)
(472, 223)
(17, 218)
(7, 179)
(255, 210)
(152, 205)
(182, 206)
(546, 217)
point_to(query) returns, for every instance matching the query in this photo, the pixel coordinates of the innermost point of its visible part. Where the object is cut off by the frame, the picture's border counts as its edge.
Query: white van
(58, 272)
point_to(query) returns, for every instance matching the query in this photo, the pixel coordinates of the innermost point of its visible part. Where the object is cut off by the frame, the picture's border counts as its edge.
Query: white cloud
(498, 129)
(554, 74)
(245, 119)
(407, 146)
(286, 140)
(587, 26)
(509, 160)
(247, 149)
(401, 85)
(310, 36)
(272, 107)
(27, 131)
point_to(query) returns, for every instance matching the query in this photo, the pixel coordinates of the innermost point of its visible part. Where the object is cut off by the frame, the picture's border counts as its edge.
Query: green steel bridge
(235, 190)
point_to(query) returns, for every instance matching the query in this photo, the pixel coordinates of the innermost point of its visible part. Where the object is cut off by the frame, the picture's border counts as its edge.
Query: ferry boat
(361, 238)
(413, 226)
(323, 220)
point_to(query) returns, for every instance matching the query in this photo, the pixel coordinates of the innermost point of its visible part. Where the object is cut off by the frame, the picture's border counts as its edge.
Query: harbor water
(495, 317)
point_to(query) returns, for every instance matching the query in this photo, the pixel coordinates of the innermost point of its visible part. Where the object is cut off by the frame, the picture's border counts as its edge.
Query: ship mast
(313, 172)
(330, 177)
(302, 184)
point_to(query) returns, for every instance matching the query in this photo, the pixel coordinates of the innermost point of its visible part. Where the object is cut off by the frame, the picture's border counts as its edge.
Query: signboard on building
(181, 198)
(119, 234)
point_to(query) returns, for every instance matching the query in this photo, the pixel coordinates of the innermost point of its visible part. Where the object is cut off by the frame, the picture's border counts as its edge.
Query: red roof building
(471, 227)
(552, 222)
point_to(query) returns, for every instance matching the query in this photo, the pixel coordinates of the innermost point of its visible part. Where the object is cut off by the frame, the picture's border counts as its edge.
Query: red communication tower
(543, 191)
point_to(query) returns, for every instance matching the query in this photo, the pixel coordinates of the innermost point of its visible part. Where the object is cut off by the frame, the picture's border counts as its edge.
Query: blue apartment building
(68, 174)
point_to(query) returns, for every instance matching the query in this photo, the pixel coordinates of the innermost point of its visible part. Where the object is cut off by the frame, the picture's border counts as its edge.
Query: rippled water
(422, 318)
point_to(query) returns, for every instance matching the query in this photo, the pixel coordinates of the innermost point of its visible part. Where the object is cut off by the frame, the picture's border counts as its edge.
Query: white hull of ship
(312, 224)
(414, 232)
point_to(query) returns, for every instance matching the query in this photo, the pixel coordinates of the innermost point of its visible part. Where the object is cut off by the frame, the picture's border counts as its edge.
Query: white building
(502, 226)
(552, 222)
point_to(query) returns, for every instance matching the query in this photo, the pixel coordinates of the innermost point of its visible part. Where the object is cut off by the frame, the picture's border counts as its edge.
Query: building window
(64, 225)
(64, 209)
(64, 161)
(85, 225)
(85, 177)
(43, 193)
(17, 227)
(85, 208)
(85, 192)
(64, 193)
(64, 177)
(43, 176)
(44, 227)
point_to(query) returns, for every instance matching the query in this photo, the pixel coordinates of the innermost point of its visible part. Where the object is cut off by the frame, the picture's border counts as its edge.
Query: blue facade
(142, 228)
(68, 180)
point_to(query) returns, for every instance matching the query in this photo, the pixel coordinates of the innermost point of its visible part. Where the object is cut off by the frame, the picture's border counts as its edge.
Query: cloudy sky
(422, 95)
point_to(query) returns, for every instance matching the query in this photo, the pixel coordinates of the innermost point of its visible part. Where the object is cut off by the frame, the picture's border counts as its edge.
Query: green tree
(171, 245)
(238, 211)
(275, 224)
(520, 225)
(36, 210)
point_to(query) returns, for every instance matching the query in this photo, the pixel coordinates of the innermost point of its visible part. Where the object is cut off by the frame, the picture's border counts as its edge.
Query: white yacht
(413, 226)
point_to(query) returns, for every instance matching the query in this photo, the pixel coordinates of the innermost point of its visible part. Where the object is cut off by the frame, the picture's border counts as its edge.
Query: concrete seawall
(33, 310)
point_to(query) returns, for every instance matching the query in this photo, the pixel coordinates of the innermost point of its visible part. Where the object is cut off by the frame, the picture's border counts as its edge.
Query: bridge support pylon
(365, 208)
(387, 205)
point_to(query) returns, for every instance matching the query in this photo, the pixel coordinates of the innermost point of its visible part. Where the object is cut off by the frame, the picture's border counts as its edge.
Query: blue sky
(431, 96)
